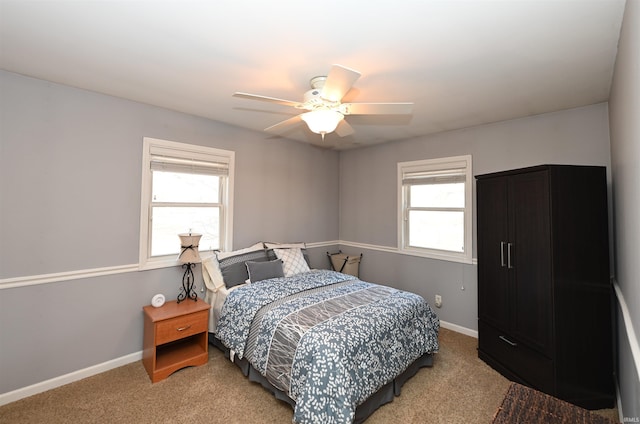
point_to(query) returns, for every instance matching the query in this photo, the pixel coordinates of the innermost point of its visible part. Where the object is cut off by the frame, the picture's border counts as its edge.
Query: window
(185, 188)
(434, 208)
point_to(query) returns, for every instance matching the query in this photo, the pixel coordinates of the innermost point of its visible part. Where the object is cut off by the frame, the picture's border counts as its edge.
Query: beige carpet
(459, 388)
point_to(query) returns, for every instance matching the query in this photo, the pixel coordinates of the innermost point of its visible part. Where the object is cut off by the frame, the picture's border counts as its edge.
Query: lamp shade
(322, 121)
(189, 248)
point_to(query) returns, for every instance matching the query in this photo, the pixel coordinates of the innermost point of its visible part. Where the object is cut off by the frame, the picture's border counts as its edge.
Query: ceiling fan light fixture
(322, 121)
(324, 104)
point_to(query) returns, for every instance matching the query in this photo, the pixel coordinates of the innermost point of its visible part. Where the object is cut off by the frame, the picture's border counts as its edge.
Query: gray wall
(625, 157)
(70, 175)
(368, 194)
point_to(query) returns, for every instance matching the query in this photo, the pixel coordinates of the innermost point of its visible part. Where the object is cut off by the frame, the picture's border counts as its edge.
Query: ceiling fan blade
(376, 108)
(266, 99)
(283, 125)
(344, 129)
(339, 82)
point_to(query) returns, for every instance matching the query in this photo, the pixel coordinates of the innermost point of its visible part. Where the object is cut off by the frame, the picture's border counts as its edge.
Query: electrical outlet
(438, 301)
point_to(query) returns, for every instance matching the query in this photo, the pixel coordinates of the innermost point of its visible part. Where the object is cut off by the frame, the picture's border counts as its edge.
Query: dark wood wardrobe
(544, 289)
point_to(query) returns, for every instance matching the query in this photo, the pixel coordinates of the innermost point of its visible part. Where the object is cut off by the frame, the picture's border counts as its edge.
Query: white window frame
(183, 151)
(431, 165)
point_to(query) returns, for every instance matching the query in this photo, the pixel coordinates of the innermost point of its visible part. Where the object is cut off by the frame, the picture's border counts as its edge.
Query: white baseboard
(634, 343)
(459, 329)
(619, 401)
(43, 386)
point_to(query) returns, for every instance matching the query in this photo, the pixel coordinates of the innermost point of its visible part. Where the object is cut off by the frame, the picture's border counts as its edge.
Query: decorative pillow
(232, 264)
(259, 271)
(302, 246)
(293, 261)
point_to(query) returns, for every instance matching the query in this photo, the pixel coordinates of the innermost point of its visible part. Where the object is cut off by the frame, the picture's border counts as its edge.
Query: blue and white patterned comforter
(326, 339)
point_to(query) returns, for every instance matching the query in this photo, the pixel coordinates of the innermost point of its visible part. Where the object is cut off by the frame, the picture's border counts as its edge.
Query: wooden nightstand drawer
(181, 327)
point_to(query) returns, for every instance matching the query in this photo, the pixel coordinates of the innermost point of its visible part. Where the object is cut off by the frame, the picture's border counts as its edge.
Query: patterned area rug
(524, 405)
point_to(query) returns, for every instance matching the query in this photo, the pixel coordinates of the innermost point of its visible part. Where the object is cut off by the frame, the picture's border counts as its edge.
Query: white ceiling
(462, 63)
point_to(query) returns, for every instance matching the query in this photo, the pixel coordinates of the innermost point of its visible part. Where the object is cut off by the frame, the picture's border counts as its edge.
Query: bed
(331, 345)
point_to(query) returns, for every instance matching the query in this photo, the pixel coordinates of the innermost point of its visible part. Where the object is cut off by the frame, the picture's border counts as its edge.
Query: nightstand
(175, 336)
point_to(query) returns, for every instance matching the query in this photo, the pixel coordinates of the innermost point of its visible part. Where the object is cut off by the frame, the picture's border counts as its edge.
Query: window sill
(437, 255)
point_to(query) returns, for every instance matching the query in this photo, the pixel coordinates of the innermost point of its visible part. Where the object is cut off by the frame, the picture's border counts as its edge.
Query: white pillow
(269, 245)
(211, 274)
(293, 261)
(255, 247)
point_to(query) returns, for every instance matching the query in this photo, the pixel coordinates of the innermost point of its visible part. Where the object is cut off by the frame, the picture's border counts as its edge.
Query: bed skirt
(363, 411)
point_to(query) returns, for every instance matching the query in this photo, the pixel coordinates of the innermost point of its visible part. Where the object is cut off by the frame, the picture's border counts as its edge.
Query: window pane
(437, 196)
(185, 188)
(437, 230)
(168, 222)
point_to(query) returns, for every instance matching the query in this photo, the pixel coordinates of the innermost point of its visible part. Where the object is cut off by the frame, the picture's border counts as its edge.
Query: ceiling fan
(324, 111)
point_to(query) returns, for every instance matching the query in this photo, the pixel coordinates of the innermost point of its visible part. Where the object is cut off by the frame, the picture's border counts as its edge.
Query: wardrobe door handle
(509, 264)
(509, 342)
(502, 264)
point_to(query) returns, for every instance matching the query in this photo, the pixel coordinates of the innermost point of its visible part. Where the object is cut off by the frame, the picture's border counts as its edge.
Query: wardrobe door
(529, 260)
(493, 300)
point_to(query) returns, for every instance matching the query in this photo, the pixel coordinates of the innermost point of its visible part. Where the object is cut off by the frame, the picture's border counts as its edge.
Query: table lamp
(188, 257)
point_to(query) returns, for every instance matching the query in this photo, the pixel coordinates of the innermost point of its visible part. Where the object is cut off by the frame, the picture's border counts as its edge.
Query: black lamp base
(188, 286)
